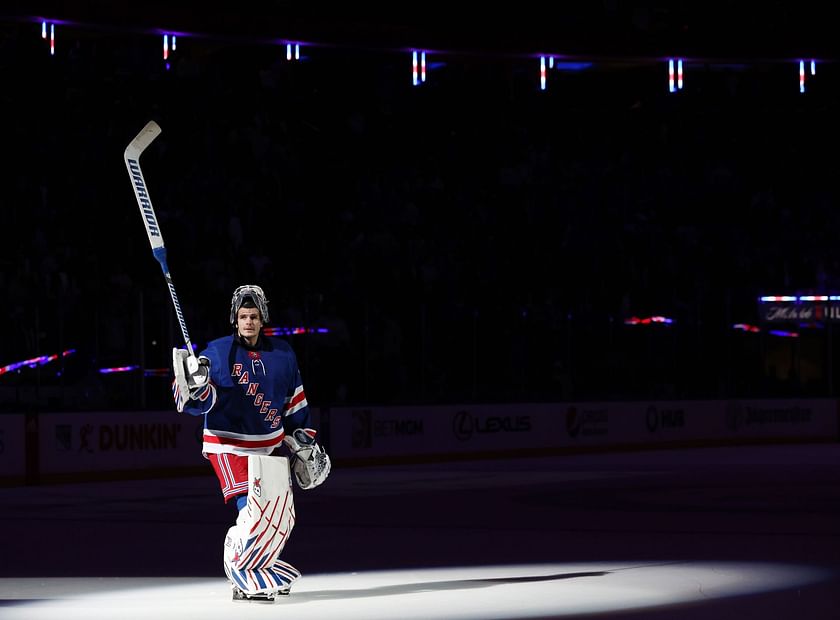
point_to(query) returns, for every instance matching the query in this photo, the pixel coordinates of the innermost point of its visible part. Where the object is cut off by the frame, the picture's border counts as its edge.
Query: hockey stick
(132, 157)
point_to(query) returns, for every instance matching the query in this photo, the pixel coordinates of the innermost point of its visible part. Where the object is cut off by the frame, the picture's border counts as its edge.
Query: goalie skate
(263, 597)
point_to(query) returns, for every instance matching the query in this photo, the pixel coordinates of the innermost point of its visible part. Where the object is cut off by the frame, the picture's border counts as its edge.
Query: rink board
(376, 432)
(12, 446)
(52, 446)
(118, 441)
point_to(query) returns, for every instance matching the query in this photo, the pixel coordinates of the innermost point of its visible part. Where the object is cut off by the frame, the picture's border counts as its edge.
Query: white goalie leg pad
(253, 545)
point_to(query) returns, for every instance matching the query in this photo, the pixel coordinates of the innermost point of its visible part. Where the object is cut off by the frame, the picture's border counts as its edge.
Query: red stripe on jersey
(243, 443)
(295, 400)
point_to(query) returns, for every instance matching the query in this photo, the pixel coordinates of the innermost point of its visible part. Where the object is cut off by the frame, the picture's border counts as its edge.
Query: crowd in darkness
(470, 239)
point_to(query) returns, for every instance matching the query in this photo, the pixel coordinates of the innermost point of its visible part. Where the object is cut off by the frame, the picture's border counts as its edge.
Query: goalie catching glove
(192, 375)
(310, 463)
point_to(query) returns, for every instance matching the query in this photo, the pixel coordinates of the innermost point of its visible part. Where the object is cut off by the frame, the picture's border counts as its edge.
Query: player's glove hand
(191, 376)
(310, 463)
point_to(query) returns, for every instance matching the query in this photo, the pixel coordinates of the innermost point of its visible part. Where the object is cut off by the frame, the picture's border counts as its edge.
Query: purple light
(106, 371)
(294, 331)
(35, 361)
(784, 334)
(166, 47)
(52, 39)
(157, 372)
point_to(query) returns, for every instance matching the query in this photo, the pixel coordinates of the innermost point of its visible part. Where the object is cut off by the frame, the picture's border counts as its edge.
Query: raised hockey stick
(132, 157)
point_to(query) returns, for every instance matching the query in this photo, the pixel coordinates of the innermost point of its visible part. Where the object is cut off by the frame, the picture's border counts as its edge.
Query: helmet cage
(256, 294)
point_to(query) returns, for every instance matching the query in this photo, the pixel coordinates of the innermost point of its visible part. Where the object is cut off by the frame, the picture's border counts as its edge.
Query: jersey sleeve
(295, 406)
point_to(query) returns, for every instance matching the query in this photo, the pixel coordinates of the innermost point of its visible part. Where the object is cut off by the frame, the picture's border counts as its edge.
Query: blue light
(571, 66)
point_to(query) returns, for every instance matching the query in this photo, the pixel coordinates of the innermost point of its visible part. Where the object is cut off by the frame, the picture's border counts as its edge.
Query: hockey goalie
(249, 390)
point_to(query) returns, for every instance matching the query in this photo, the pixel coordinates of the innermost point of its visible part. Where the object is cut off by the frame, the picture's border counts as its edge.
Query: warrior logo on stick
(143, 197)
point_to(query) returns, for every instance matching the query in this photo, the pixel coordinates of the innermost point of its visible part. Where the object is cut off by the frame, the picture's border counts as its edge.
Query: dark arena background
(562, 283)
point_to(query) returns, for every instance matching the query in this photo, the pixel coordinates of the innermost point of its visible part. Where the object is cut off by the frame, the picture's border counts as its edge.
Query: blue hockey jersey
(255, 394)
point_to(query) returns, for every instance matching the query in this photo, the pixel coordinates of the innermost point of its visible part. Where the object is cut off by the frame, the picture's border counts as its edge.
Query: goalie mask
(248, 296)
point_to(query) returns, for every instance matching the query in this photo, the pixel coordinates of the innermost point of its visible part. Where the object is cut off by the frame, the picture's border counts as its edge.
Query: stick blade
(142, 140)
